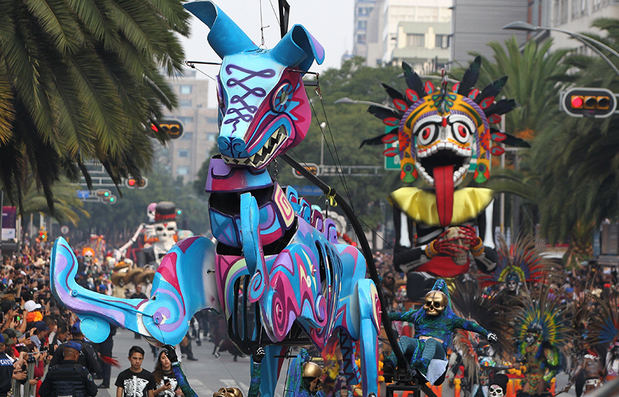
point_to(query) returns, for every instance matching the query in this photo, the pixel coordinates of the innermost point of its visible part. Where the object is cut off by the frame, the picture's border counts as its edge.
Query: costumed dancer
(165, 232)
(442, 134)
(540, 332)
(498, 386)
(478, 357)
(303, 377)
(604, 335)
(518, 266)
(435, 324)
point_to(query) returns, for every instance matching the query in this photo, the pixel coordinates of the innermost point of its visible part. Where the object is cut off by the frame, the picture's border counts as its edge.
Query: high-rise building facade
(185, 155)
(571, 15)
(417, 31)
(363, 10)
(478, 22)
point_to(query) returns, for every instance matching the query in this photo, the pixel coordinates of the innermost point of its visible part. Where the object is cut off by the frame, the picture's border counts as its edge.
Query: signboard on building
(9, 223)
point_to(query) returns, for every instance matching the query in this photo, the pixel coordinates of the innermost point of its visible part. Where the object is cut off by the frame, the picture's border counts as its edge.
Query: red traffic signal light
(136, 183)
(172, 128)
(588, 102)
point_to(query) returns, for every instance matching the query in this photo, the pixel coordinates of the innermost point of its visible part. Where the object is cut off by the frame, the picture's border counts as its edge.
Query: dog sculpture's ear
(298, 48)
(225, 36)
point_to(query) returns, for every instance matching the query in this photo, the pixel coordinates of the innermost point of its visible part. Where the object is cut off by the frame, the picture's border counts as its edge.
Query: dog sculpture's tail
(184, 284)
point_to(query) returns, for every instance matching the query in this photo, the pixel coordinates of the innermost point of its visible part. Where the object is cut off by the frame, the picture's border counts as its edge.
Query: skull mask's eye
(460, 132)
(427, 134)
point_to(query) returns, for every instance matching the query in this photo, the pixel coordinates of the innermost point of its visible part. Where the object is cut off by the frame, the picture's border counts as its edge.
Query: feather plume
(412, 79)
(470, 77)
(492, 89)
(501, 107)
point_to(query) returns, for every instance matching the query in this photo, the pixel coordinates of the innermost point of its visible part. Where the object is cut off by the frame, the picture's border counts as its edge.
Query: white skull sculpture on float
(165, 229)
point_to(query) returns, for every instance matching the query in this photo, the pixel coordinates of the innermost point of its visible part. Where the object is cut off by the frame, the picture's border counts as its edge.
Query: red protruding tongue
(444, 184)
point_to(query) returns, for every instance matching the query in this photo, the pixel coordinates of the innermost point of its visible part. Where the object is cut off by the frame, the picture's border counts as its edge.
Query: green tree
(82, 79)
(67, 207)
(130, 209)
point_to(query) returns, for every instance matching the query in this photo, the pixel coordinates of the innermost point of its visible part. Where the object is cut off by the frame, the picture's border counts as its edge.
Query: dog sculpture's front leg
(252, 247)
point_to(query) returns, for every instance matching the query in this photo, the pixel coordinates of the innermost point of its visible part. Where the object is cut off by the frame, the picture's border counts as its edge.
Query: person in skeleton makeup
(541, 330)
(435, 324)
(443, 133)
(498, 386)
(165, 231)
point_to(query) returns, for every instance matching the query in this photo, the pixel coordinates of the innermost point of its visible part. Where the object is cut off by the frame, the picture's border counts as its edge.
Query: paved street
(206, 375)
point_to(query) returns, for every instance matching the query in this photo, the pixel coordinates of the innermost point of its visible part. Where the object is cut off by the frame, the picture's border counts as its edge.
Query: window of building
(185, 89)
(182, 171)
(183, 153)
(415, 40)
(187, 136)
(364, 11)
(442, 41)
(211, 120)
(361, 38)
(186, 103)
(362, 25)
(563, 14)
(185, 119)
(211, 137)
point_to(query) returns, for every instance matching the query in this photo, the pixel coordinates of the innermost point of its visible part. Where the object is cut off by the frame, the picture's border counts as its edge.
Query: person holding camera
(69, 378)
(165, 380)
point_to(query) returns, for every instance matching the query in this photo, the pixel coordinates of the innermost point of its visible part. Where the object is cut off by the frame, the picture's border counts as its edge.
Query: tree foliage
(83, 79)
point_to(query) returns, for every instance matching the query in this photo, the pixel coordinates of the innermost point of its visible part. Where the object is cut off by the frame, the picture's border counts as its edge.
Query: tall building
(363, 9)
(571, 15)
(184, 156)
(396, 30)
(478, 22)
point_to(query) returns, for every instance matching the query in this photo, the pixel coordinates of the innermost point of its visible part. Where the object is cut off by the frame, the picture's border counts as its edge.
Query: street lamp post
(586, 40)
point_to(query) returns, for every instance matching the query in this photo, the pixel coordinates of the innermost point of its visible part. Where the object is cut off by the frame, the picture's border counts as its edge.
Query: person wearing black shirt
(69, 378)
(135, 381)
(6, 369)
(87, 357)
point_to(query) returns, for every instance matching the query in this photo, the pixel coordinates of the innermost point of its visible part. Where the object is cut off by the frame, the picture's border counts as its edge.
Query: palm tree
(83, 79)
(67, 207)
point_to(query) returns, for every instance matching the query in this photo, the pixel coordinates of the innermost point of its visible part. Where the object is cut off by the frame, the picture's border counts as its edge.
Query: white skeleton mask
(165, 232)
(495, 391)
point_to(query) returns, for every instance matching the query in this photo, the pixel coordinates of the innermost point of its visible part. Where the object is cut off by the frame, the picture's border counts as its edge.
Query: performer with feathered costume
(604, 336)
(479, 358)
(443, 133)
(435, 324)
(540, 331)
(518, 266)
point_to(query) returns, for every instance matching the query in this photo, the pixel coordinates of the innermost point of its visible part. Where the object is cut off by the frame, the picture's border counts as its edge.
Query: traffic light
(103, 193)
(43, 235)
(112, 199)
(136, 183)
(172, 128)
(179, 211)
(588, 102)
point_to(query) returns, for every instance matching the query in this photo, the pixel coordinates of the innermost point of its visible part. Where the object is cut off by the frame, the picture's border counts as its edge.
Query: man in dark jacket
(87, 357)
(68, 378)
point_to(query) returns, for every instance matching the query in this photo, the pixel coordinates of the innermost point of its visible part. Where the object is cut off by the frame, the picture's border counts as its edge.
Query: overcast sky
(329, 21)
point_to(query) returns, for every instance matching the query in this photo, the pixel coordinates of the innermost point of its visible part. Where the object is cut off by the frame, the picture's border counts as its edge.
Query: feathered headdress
(604, 326)
(416, 115)
(470, 303)
(521, 260)
(543, 314)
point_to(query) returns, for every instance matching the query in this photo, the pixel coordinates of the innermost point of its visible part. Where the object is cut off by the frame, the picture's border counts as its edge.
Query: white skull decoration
(165, 232)
(495, 391)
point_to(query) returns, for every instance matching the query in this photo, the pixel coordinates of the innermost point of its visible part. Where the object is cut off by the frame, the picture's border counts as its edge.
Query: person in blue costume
(435, 324)
(303, 378)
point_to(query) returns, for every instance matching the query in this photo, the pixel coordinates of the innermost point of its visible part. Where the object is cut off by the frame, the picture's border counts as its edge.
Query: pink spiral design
(280, 317)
